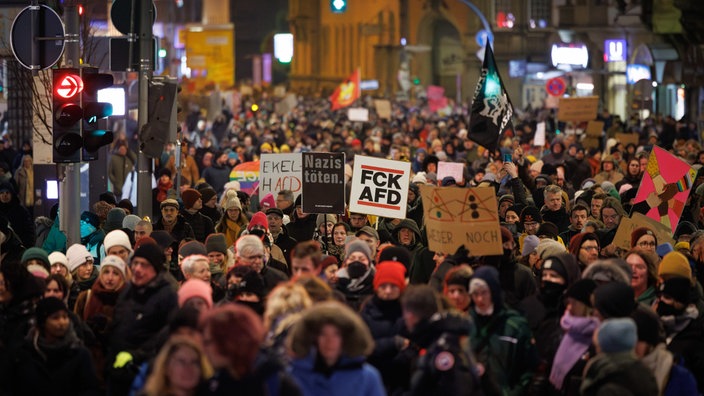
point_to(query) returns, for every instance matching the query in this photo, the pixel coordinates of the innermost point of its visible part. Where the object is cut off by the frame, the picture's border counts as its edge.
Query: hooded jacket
(618, 374)
(19, 218)
(422, 264)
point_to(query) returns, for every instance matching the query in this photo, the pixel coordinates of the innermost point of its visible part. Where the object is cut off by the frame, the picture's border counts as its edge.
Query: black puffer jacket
(202, 225)
(385, 322)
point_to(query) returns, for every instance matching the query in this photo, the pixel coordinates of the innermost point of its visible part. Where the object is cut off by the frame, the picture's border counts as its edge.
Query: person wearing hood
(615, 370)
(578, 168)
(557, 154)
(418, 160)
(501, 338)
(684, 325)
(414, 210)
(17, 215)
(92, 234)
(330, 344)
(422, 265)
(544, 311)
(356, 275)
(52, 360)
(302, 225)
(144, 307)
(517, 281)
(610, 171)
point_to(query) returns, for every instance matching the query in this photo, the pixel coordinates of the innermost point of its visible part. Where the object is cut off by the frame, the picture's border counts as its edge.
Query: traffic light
(67, 115)
(338, 6)
(162, 125)
(94, 137)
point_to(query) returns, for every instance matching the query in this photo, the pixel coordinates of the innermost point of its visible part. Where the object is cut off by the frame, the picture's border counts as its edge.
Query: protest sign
(280, 172)
(462, 216)
(323, 183)
(594, 128)
(622, 239)
(664, 188)
(579, 108)
(383, 108)
(247, 174)
(539, 138)
(627, 138)
(436, 97)
(380, 187)
(453, 169)
(358, 114)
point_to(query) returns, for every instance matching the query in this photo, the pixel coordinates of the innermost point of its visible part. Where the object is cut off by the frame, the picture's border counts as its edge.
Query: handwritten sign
(453, 169)
(580, 108)
(380, 187)
(280, 172)
(358, 114)
(622, 239)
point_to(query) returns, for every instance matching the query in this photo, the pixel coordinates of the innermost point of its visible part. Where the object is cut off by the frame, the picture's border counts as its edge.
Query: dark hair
(577, 207)
(651, 261)
(60, 281)
(308, 249)
(421, 300)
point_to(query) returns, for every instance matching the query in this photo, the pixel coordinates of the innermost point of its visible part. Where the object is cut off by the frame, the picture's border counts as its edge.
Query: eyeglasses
(646, 244)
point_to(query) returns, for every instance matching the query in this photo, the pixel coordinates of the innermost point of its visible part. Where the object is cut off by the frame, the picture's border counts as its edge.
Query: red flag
(346, 93)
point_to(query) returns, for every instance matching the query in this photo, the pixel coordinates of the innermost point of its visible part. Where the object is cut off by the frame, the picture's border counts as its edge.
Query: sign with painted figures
(323, 183)
(380, 187)
(462, 216)
(280, 172)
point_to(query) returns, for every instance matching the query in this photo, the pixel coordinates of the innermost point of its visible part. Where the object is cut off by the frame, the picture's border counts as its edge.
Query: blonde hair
(286, 299)
(158, 383)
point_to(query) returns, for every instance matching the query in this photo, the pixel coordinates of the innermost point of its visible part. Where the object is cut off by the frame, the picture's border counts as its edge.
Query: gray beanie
(357, 245)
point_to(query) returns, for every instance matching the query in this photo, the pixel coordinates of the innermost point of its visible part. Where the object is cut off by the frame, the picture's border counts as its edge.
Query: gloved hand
(122, 359)
(461, 256)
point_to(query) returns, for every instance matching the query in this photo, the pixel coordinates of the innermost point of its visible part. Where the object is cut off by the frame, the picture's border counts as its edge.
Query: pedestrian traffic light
(338, 6)
(94, 137)
(67, 115)
(162, 125)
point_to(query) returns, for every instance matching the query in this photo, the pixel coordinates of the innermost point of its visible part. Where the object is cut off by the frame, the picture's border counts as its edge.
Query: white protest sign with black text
(280, 172)
(380, 187)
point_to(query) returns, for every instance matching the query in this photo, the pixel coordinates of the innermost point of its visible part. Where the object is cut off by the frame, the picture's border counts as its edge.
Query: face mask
(665, 309)
(511, 227)
(86, 229)
(257, 307)
(551, 293)
(356, 269)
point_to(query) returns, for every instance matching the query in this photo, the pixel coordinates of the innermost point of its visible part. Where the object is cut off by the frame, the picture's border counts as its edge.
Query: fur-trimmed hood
(356, 338)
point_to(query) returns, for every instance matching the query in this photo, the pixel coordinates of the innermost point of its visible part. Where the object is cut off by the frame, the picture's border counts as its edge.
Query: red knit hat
(258, 219)
(639, 232)
(390, 272)
(189, 197)
(267, 202)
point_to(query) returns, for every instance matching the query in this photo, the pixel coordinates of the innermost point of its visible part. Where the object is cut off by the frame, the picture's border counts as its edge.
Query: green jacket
(617, 374)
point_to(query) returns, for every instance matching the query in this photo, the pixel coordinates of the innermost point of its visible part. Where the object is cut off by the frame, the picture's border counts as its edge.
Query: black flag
(491, 108)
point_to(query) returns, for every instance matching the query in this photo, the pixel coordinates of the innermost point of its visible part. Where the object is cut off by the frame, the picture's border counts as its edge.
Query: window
(505, 17)
(539, 14)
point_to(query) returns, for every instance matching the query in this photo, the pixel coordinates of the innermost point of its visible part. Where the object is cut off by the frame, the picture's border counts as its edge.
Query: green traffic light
(338, 6)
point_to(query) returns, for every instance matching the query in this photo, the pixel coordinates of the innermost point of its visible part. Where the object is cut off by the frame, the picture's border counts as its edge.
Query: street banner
(454, 169)
(358, 114)
(577, 109)
(347, 92)
(380, 187)
(280, 172)
(664, 188)
(462, 216)
(622, 239)
(323, 183)
(247, 174)
(383, 108)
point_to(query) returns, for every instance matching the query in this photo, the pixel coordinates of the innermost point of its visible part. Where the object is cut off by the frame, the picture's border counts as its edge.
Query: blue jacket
(349, 377)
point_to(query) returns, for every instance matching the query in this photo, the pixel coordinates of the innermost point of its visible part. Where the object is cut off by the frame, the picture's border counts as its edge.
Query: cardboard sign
(380, 187)
(280, 172)
(594, 128)
(622, 239)
(590, 142)
(539, 137)
(627, 138)
(358, 114)
(462, 216)
(323, 183)
(383, 108)
(454, 169)
(576, 109)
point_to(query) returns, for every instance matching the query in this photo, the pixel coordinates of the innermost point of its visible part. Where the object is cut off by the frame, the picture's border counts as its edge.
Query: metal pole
(70, 194)
(481, 16)
(144, 164)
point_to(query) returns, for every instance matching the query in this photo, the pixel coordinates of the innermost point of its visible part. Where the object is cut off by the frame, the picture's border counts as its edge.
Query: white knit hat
(114, 261)
(77, 254)
(58, 258)
(117, 238)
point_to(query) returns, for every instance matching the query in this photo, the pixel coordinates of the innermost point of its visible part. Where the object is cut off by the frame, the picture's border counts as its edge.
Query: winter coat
(43, 227)
(19, 218)
(685, 339)
(189, 168)
(80, 286)
(119, 168)
(286, 244)
(558, 217)
(384, 319)
(217, 176)
(202, 225)
(56, 240)
(618, 374)
(301, 229)
(349, 377)
(355, 290)
(63, 368)
(179, 232)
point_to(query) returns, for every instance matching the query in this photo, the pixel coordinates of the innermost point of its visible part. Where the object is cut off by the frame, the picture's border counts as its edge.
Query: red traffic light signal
(69, 86)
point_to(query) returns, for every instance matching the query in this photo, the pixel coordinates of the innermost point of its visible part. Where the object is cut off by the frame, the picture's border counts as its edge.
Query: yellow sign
(577, 109)
(210, 54)
(462, 216)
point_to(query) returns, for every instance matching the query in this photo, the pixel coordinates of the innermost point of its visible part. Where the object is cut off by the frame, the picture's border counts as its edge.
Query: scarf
(659, 362)
(54, 350)
(575, 343)
(675, 324)
(101, 301)
(232, 231)
(162, 190)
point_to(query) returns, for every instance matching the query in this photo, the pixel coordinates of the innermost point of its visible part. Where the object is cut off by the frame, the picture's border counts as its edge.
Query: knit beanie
(91, 218)
(116, 262)
(549, 247)
(153, 254)
(267, 202)
(114, 219)
(117, 238)
(35, 253)
(162, 238)
(390, 272)
(328, 218)
(650, 327)
(460, 275)
(258, 219)
(195, 288)
(582, 291)
(232, 203)
(548, 230)
(192, 247)
(358, 245)
(189, 197)
(130, 222)
(639, 232)
(614, 300)
(76, 255)
(58, 258)
(677, 287)
(207, 194)
(216, 243)
(675, 264)
(552, 263)
(531, 214)
(47, 307)
(169, 202)
(146, 240)
(506, 197)
(617, 335)
(530, 243)
(396, 253)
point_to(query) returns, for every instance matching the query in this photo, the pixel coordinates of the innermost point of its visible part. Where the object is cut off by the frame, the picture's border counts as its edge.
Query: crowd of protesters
(223, 292)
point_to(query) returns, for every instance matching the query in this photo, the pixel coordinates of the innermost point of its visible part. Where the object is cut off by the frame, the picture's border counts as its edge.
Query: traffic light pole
(70, 194)
(144, 164)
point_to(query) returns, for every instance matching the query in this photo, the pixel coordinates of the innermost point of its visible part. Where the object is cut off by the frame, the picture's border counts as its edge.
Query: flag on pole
(346, 93)
(491, 107)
